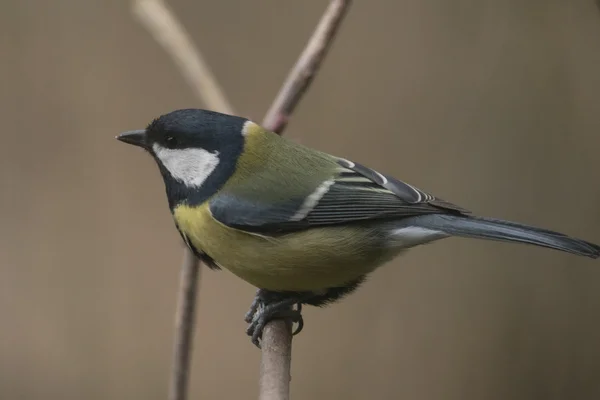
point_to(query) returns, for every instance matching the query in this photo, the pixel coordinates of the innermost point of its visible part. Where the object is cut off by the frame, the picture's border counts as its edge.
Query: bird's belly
(302, 261)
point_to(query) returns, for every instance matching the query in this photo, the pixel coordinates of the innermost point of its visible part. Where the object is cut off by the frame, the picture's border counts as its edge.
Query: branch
(305, 70)
(184, 325)
(166, 30)
(160, 21)
(276, 342)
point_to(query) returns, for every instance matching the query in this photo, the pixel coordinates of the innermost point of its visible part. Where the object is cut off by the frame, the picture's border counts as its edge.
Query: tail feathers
(495, 229)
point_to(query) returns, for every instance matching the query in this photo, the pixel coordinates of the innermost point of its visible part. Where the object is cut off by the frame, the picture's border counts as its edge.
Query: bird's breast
(308, 260)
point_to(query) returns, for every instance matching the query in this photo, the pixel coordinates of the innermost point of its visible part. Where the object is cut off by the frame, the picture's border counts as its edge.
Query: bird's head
(195, 149)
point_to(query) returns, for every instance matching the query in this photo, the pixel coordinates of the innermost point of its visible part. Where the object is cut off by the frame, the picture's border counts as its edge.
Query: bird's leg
(268, 305)
(254, 306)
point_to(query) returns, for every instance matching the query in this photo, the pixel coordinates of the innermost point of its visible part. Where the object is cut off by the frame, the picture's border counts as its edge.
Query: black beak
(136, 138)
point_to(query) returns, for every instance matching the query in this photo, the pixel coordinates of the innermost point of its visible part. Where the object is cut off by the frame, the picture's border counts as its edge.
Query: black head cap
(192, 127)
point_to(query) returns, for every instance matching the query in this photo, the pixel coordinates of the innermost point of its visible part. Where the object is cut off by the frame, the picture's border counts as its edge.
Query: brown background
(491, 104)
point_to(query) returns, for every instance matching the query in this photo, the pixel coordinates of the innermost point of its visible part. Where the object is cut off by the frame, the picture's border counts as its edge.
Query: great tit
(302, 226)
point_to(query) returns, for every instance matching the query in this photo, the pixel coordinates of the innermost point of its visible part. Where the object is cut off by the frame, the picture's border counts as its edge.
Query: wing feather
(354, 193)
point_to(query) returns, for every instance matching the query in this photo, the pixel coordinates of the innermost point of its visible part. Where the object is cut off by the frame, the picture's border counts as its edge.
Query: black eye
(171, 142)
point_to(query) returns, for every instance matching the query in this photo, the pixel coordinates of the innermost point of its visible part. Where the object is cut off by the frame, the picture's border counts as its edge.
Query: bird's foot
(265, 307)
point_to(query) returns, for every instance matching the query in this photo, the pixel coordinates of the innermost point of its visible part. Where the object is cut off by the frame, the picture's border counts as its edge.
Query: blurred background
(492, 104)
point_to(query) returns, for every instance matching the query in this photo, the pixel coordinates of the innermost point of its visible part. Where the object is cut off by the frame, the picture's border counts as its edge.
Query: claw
(261, 314)
(253, 307)
(298, 320)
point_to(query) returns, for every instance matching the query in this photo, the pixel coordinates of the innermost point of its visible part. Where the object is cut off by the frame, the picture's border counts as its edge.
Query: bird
(302, 226)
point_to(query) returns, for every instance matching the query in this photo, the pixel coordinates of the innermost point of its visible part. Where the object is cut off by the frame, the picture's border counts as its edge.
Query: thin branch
(166, 30)
(305, 69)
(184, 325)
(160, 21)
(276, 360)
(276, 342)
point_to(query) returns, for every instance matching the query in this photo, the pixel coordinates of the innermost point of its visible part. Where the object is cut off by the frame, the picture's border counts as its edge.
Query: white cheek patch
(190, 166)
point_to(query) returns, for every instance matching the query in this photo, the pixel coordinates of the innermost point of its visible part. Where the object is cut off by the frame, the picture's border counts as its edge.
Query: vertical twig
(305, 69)
(276, 342)
(184, 325)
(166, 30)
(276, 360)
(156, 16)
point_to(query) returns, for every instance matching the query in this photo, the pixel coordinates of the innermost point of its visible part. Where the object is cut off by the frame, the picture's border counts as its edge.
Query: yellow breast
(308, 260)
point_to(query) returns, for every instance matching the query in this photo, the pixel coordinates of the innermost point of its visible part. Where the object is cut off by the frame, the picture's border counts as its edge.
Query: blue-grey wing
(403, 190)
(354, 193)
